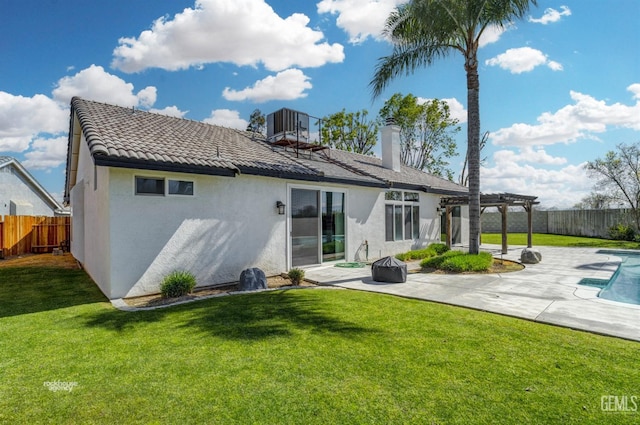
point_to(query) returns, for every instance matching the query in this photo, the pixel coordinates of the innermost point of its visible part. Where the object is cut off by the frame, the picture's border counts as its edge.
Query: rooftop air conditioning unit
(287, 124)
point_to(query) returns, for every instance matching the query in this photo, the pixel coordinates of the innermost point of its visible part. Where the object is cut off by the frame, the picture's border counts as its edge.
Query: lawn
(543, 239)
(313, 356)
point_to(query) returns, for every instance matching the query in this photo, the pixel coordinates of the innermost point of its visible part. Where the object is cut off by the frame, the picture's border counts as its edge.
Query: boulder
(252, 280)
(530, 256)
(389, 269)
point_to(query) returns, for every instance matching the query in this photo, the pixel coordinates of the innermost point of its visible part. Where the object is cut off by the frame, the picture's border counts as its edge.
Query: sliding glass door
(317, 226)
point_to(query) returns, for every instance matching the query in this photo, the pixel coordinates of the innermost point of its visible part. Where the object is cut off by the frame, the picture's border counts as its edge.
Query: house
(21, 194)
(151, 193)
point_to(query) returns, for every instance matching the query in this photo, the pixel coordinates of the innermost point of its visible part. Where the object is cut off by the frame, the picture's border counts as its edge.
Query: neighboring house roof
(6, 161)
(126, 137)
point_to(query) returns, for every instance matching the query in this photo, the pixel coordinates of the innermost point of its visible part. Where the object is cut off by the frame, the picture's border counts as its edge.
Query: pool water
(624, 285)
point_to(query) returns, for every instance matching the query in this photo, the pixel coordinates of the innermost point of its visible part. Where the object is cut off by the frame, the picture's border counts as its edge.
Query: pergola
(502, 201)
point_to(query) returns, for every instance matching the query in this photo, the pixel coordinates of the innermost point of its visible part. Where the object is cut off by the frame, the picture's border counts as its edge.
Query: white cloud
(456, 109)
(243, 32)
(528, 154)
(95, 83)
(286, 85)
(46, 153)
(551, 15)
(490, 35)
(171, 111)
(360, 19)
(227, 118)
(584, 118)
(23, 118)
(560, 188)
(522, 59)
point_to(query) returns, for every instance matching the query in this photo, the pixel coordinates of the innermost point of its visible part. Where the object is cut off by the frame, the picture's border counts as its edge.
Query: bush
(436, 262)
(457, 261)
(296, 275)
(418, 254)
(177, 284)
(622, 232)
(469, 263)
(439, 248)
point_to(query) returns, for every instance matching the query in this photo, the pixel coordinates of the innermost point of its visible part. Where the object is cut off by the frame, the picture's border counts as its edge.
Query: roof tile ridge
(96, 145)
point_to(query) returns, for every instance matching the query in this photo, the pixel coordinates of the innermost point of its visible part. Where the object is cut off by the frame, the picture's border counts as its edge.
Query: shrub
(177, 284)
(439, 248)
(418, 254)
(622, 232)
(296, 275)
(468, 263)
(436, 262)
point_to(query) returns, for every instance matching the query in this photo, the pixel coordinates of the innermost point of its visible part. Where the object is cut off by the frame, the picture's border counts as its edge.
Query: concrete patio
(547, 292)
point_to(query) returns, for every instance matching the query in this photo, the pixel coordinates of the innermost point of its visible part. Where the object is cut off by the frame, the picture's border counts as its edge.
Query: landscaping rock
(252, 279)
(530, 256)
(389, 269)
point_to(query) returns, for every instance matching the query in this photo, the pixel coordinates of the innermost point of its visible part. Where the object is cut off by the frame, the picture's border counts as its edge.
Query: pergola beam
(502, 201)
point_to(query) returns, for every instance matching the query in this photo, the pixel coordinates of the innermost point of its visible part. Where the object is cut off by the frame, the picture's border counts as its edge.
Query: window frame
(402, 215)
(193, 187)
(166, 182)
(157, 179)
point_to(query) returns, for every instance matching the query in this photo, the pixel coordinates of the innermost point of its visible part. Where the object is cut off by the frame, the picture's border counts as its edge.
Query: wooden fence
(20, 234)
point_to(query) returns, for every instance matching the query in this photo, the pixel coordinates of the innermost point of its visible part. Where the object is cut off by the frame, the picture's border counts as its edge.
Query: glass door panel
(333, 234)
(305, 227)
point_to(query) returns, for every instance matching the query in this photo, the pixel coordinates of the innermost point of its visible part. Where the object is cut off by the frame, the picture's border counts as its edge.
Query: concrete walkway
(547, 292)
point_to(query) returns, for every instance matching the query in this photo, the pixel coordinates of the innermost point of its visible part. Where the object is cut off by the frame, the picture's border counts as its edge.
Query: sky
(557, 89)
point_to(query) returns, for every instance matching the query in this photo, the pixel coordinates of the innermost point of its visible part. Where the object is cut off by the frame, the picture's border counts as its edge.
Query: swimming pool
(624, 285)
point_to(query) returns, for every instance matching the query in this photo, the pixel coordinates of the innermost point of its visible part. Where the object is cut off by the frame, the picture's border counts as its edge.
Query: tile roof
(127, 137)
(5, 160)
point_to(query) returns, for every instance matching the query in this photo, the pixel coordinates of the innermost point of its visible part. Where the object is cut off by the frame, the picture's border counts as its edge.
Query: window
(149, 186)
(402, 215)
(156, 186)
(180, 187)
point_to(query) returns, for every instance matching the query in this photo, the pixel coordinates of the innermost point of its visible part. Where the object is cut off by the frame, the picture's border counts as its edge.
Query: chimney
(391, 145)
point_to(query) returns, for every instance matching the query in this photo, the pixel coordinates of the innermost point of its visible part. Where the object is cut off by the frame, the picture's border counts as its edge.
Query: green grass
(542, 239)
(293, 357)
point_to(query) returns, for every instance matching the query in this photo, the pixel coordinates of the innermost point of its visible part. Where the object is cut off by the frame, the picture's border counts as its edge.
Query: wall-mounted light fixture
(280, 206)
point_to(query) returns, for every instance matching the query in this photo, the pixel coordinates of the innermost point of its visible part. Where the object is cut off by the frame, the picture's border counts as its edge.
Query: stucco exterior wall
(15, 189)
(128, 242)
(367, 223)
(229, 224)
(90, 226)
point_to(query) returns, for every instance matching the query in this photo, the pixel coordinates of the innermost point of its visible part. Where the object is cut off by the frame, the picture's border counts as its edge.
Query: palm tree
(425, 30)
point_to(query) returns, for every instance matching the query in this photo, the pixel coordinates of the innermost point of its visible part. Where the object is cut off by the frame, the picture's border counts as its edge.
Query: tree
(463, 178)
(349, 131)
(257, 122)
(425, 30)
(594, 201)
(618, 176)
(426, 132)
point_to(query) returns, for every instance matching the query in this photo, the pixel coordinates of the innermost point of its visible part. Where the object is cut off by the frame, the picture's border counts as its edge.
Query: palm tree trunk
(473, 151)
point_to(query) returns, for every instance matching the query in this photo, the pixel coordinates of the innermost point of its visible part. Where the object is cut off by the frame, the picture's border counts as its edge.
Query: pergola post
(529, 209)
(503, 210)
(448, 225)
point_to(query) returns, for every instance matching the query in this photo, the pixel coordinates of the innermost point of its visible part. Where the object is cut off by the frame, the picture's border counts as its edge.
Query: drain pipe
(366, 249)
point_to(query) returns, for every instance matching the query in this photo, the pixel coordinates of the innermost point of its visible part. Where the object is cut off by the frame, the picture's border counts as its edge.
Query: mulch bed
(273, 282)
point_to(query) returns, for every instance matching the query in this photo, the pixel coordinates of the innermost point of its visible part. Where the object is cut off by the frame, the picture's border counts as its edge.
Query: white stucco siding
(367, 223)
(228, 225)
(16, 190)
(90, 223)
